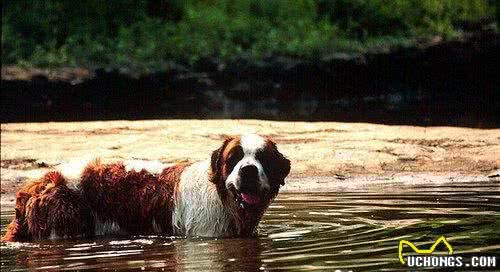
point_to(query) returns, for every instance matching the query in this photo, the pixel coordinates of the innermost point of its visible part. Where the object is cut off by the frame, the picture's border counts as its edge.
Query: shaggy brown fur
(132, 199)
(47, 206)
(107, 193)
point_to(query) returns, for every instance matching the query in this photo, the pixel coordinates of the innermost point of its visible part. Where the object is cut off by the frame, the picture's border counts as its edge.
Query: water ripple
(301, 231)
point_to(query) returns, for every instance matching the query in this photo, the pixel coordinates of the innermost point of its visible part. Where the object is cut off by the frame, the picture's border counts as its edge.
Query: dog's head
(249, 171)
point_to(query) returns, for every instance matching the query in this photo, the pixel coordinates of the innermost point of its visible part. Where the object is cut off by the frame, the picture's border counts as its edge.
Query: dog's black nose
(249, 172)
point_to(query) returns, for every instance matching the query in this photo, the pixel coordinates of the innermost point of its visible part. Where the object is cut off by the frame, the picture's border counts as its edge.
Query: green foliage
(404, 17)
(129, 33)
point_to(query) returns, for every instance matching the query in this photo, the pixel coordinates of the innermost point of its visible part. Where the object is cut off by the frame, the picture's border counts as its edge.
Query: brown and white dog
(224, 196)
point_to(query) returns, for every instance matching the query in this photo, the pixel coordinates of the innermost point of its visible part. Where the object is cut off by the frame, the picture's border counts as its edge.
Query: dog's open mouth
(246, 199)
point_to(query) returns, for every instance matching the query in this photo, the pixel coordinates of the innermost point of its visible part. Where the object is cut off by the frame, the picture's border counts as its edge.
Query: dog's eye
(231, 163)
(266, 160)
(233, 158)
(260, 156)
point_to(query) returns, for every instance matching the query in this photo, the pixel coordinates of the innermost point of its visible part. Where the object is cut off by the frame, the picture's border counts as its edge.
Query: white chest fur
(198, 209)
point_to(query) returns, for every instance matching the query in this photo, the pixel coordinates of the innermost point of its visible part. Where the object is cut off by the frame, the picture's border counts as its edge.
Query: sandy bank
(338, 151)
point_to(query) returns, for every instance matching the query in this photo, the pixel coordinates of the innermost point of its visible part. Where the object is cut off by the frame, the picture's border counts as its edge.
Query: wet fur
(108, 200)
(47, 207)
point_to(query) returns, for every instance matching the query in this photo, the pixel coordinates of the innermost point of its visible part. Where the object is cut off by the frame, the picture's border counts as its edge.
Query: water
(355, 230)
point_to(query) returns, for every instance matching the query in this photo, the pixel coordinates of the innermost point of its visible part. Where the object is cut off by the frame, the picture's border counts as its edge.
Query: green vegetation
(148, 35)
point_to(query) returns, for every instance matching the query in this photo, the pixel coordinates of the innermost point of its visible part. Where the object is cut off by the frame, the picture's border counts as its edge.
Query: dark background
(420, 62)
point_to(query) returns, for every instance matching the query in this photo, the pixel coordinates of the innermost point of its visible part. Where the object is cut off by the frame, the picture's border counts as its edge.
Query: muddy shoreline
(323, 154)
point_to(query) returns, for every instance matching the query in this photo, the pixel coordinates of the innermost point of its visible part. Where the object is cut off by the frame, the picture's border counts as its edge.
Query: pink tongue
(250, 198)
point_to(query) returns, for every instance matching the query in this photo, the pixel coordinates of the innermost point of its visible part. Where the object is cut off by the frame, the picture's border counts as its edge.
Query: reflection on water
(357, 230)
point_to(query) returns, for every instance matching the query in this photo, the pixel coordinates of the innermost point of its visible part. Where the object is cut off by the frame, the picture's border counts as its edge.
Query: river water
(356, 230)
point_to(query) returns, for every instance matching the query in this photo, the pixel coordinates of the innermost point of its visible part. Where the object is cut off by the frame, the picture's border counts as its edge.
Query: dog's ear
(282, 167)
(216, 161)
(280, 164)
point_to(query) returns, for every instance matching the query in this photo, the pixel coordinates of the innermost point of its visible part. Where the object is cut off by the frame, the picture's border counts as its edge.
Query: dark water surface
(356, 230)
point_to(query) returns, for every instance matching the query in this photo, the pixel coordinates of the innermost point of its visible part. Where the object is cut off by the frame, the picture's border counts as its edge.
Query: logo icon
(423, 251)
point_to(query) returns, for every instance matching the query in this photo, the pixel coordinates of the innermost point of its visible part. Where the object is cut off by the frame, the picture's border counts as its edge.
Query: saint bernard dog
(224, 196)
